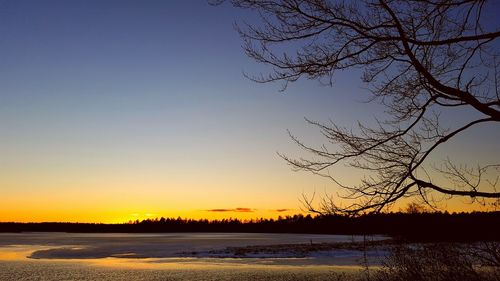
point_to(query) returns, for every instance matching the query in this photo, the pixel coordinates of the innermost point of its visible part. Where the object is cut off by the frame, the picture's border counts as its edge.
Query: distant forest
(435, 226)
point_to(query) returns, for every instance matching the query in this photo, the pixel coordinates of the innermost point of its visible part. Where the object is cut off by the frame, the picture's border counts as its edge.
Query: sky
(120, 110)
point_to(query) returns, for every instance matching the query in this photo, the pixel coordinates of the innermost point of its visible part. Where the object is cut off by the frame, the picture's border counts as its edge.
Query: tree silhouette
(419, 59)
(410, 226)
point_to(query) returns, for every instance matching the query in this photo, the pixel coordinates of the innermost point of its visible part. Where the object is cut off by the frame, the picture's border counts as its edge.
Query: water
(171, 256)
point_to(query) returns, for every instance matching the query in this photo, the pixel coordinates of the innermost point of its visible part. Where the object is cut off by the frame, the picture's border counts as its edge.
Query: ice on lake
(172, 256)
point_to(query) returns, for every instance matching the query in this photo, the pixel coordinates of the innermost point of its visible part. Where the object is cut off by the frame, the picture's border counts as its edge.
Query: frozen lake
(175, 256)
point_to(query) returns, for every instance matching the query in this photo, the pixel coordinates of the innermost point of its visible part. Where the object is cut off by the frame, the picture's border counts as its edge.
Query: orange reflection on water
(21, 253)
(18, 252)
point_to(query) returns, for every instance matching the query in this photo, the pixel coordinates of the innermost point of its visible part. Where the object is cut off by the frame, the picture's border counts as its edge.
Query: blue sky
(144, 103)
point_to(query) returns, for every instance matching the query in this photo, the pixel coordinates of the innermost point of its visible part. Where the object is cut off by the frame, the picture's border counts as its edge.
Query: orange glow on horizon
(119, 217)
(125, 215)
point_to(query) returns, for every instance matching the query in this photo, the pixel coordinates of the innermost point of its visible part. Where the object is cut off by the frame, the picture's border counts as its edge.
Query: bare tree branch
(418, 57)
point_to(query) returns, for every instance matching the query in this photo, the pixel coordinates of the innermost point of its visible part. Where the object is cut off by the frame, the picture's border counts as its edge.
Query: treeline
(436, 226)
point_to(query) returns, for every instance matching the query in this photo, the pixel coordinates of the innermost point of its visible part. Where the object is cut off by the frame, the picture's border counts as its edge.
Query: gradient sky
(119, 110)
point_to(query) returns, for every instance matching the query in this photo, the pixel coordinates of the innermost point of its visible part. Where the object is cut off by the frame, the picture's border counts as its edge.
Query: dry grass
(441, 262)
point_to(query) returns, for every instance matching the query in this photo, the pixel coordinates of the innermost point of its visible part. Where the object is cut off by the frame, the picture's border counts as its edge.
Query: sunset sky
(120, 110)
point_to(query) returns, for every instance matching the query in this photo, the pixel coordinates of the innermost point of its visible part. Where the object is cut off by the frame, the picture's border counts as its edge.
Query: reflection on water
(175, 269)
(158, 259)
(19, 252)
(52, 271)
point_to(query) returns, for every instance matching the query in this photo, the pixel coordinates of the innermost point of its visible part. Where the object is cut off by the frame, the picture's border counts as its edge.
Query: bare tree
(419, 58)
